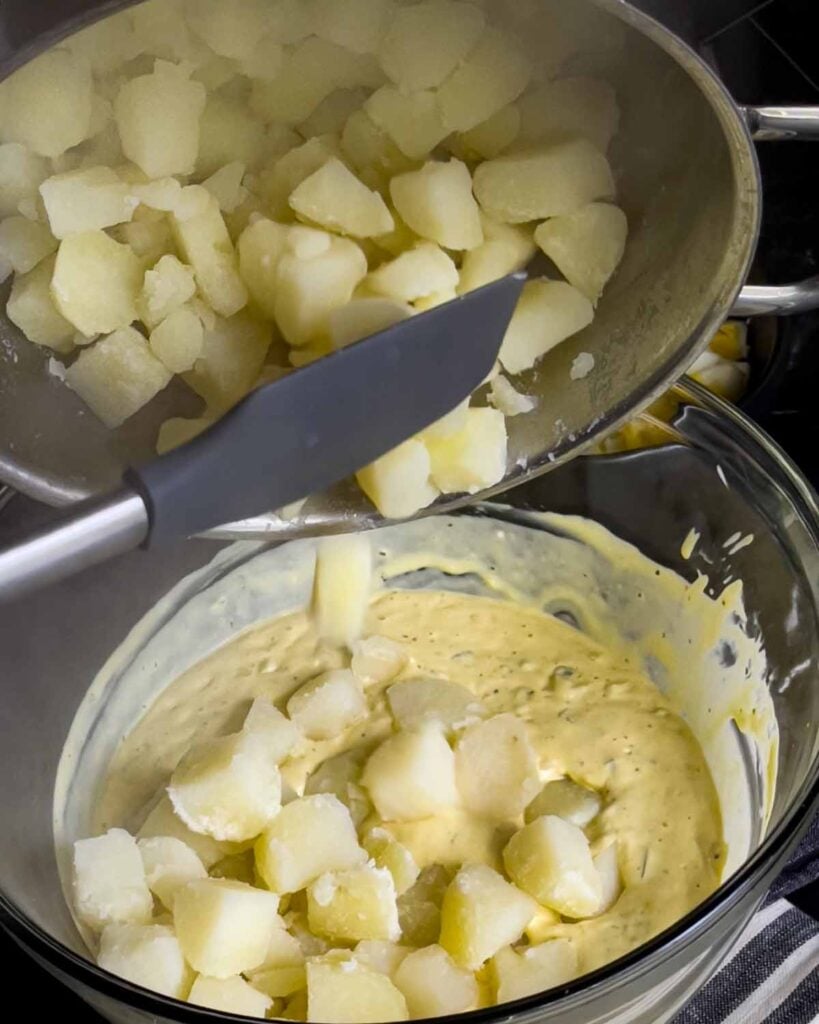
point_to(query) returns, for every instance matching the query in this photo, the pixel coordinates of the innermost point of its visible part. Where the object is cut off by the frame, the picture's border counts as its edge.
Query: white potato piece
(278, 733)
(231, 362)
(377, 659)
(284, 949)
(494, 135)
(394, 857)
(357, 25)
(545, 182)
(310, 837)
(415, 703)
(146, 955)
(413, 121)
(422, 271)
(225, 185)
(361, 318)
(96, 283)
(176, 432)
(24, 243)
(437, 203)
(230, 28)
(261, 248)
(495, 75)
(118, 376)
(384, 957)
(281, 982)
(343, 587)
(533, 970)
(349, 906)
(551, 860)
(507, 249)
(586, 246)
(398, 483)
(547, 314)
(608, 868)
(335, 199)
(434, 986)
(150, 240)
(230, 995)
(47, 104)
(568, 800)
(370, 148)
(21, 174)
(449, 425)
(169, 864)
(178, 341)
(205, 243)
(329, 705)
(506, 399)
(497, 768)
(228, 132)
(166, 289)
(428, 40)
(224, 927)
(481, 914)
(474, 458)
(332, 114)
(348, 992)
(542, 925)
(31, 308)
(419, 909)
(109, 883)
(341, 776)
(412, 776)
(162, 821)
(290, 170)
(570, 108)
(86, 200)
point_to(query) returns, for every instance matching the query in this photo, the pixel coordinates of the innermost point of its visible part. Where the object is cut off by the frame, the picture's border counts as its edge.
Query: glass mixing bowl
(718, 474)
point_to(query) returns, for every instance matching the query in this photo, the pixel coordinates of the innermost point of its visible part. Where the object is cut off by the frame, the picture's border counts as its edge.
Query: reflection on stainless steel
(782, 124)
(757, 300)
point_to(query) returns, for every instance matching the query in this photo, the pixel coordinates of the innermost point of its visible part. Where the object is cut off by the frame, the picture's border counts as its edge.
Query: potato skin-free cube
(434, 986)
(169, 864)
(224, 927)
(32, 309)
(146, 955)
(86, 200)
(327, 706)
(413, 121)
(279, 734)
(384, 957)
(392, 855)
(309, 837)
(377, 659)
(341, 776)
(25, 243)
(281, 982)
(117, 376)
(334, 198)
(343, 587)
(586, 246)
(166, 289)
(178, 341)
(497, 768)
(506, 249)
(551, 860)
(231, 28)
(415, 703)
(261, 248)
(205, 242)
(481, 914)
(96, 283)
(357, 25)
(277, 184)
(21, 174)
(368, 147)
(547, 314)
(492, 136)
(231, 361)
(474, 458)
(162, 821)
(419, 909)
(422, 271)
(412, 776)
(570, 108)
(230, 995)
(228, 131)
(398, 483)
(437, 203)
(340, 994)
(109, 881)
(568, 800)
(361, 318)
(495, 74)
(349, 906)
(533, 969)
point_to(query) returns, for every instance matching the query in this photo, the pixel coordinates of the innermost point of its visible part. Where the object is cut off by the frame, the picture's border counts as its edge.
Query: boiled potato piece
(231, 28)
(230, 995)
(178, 341)
(340, 776)
(278, 733)
(412, 776)
(176, 432)
(437, 203)
(86, 200)
(542, 926)
(281, 982)
(567, 800)
(343, 587)
(607, 865)
(261, 248)
(225, 185)
(474, 458)
(422, 271)
(507, 248)
(533, 970)
(586, 246)
(571, 108)
(96, 283)
(228, 132)
(109, 881)
(492, 136)
(357, 25)
(47, 104)
(384, 957)
(349, 906)
(547, 314)
(118, 376)
(32, 309)
(434, 986)
(427, 41)
(551, 860)
(419, 909)
(413, 121)
(449, 425)
(394, 857)
(24, 243)
(310, 837)
(369, 148)
(169, 864)
(361, 318)
(398, 483)
(165, 290)
(545, 182)
(329, 705)
(332, 114)
(495, 75)
(377, 660)
(21, 174)
(224, 927)
(348, 992)
(232, 359)
(497, 768)
(290, 170)
(284, 949)
(150, 240)
(146, 955)
(481, 914)
(205, 242)
(335, 199)
(506, 399)
(417, 702)
(163, 822)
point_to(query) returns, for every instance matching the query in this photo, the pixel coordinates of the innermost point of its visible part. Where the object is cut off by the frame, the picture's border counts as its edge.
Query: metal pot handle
(780, 124)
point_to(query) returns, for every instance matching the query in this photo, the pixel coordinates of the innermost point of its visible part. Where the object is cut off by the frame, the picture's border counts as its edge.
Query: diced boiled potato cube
(567, 800)
(434, 986)
(416, 274)
(397, 859)
(109, 881)
(544, 182)
(232, 359)
(586, 246)
(21, 174)
(118, 376)
(261, 248)
(163, 821)
(178, 341)
(284, 949)
(435, 300)
(158, 120)
(358, 25)
(472, 459)
(481, 914)
(507, 249)
(413, 121)
(230, 995)
(384, 957)
(412, 776)
(205, 242)
(495, 74)
(225, 185)
(506, 399)
(329, 705)
(377, 659)
(176, 432)
(150, 240)
(338, 993)
(32, 309)
(497, 768)
(369, 147)
(340, 776)
(87, 200)
(25, 243)
(417, 702)
(96, 283)
(542, 925)
(166, 288)
(146, 955)
(551, 860)
(307, 243)
(571, 108)
(428, 40)
(607, 866)
(228, 788)
(228, 132)
(105, 45)
(398, 483)
(492, 136)
(725, 378)
(224, 927)
(334, 198)
(449, 425)
(348, 906)
(281, 982)
(419, 909)
(332, 114)
(309, 837)
(547, 314)
(47, 104)
(533, 970)
(230, 28)
(279, 734)
(361, 318)
(437, 203)
(343, 587)
(169, 864)
(290, 170)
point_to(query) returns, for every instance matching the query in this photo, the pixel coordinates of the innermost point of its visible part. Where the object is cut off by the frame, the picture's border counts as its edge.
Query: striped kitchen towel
(772, 975)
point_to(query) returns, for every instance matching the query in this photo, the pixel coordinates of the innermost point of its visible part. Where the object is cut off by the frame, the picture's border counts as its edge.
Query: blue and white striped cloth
(772, 975)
